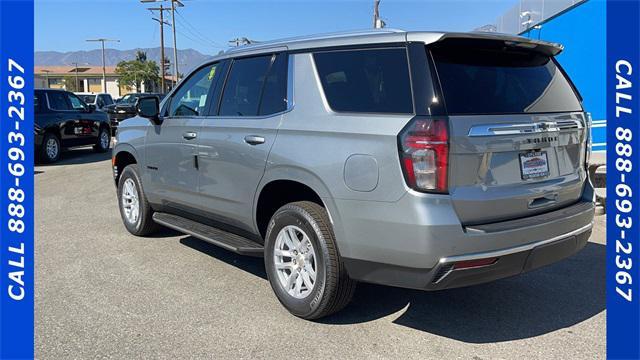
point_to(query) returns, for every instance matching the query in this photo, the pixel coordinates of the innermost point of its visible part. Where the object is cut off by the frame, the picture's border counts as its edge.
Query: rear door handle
(254, 139)
(189, 135)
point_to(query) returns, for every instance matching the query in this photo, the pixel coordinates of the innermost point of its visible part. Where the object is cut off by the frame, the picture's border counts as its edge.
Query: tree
(141, 56)
(134, 72)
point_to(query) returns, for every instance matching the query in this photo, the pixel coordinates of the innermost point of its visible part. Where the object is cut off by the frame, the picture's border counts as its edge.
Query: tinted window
(191, 98)
(58, 101)
(375, 80)
(108, 100)
(241, 96)
(492, 80)
(75, 101)
(274, 95)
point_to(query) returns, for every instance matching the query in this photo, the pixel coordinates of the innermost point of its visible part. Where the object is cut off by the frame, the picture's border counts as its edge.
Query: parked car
(416, 159)
(63, 120)
(125, 108)
(98, 100)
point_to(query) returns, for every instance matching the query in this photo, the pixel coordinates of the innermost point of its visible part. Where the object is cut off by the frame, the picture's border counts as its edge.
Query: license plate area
(534, 164)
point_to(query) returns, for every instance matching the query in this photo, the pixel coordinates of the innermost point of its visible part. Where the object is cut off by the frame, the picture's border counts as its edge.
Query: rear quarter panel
(314, 143)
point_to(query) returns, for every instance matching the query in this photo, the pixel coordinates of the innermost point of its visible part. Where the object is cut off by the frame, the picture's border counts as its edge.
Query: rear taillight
(424, 154)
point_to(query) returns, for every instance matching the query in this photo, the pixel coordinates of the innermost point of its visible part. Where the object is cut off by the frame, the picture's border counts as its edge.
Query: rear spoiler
(543, 47)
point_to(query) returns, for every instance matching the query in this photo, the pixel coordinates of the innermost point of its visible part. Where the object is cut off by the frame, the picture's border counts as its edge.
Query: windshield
(89, 99)
(129, 99)
(484, 78)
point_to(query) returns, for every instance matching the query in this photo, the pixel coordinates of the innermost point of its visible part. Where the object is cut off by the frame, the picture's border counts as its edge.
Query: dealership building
(579, 25)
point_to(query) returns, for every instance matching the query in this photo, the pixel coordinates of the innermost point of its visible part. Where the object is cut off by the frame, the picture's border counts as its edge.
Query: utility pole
(104, 69)
(162, 23)
(175, 47)
(377, 22)
(174, 4)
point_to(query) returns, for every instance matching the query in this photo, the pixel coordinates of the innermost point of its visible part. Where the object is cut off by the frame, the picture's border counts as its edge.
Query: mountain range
(187, 59)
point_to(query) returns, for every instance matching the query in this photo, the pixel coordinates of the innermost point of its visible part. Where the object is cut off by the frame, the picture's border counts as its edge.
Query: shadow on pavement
(164, 233)
(79, 156)
(249, 264)
(529, 305)
(532, 304)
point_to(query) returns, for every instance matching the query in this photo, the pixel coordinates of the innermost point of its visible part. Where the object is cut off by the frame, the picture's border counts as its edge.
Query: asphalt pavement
(103, 293)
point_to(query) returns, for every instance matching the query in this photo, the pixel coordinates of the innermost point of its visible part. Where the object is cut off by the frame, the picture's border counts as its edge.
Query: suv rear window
(494, 79)
(367, 80)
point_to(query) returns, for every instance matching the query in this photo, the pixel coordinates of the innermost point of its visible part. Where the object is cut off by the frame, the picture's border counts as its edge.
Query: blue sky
(207, 25)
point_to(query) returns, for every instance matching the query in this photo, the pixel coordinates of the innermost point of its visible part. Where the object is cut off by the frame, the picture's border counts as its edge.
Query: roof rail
(331, 35)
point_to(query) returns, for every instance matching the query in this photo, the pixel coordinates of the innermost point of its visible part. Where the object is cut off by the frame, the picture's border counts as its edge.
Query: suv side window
(243, 88)
(108, 100)
(58, 101)
(191, 98)
(274, 95)
(366, 80)
(75, 102)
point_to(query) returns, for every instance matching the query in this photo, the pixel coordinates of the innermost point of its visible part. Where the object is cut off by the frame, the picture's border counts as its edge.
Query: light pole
(46, 77)
(76, 66)
(104, 69)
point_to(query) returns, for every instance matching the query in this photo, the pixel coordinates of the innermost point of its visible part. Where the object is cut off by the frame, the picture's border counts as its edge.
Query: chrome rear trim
(516, 249)
(524, 128)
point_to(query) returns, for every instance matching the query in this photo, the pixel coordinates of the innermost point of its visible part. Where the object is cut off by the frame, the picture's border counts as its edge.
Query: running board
(221, 238)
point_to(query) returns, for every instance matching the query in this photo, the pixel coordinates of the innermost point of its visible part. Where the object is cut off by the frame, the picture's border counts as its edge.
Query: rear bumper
(509, 262)
(422, 254)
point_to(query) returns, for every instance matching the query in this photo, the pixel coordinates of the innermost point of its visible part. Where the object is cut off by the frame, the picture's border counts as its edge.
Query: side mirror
(149, 107)
(91, 108)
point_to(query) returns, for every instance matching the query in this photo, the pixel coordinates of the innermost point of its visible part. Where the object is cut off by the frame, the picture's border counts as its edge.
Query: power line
(194, 31)
(195, 40)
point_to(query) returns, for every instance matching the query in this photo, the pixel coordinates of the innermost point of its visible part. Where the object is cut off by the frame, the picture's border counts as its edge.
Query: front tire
(135, 210)
(303, 264)
(51, 149)
(104, 140)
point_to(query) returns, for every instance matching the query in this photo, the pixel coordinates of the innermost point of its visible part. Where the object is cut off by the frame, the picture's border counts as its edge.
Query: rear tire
(51, 148)
(104, 141)
(135, 211)
(301, 235)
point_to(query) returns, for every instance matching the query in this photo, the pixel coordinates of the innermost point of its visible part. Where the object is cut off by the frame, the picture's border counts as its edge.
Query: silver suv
(425, 160)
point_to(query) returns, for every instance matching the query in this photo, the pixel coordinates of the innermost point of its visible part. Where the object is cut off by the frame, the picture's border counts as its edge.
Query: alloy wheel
(295, 261)
(130, 201)
(104, 139)
(52, 148)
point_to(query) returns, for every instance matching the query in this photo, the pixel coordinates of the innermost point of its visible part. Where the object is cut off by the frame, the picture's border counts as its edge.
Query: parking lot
(103, 293)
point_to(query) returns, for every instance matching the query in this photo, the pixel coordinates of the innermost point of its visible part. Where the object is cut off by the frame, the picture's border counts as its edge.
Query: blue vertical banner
(623, 182)
(16, 180)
